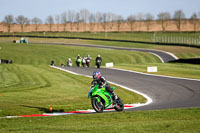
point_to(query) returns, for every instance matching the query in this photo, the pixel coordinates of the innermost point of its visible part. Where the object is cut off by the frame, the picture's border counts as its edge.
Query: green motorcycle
(78, 62)
(101, 100)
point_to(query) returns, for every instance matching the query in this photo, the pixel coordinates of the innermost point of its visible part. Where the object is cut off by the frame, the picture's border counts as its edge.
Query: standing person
(98, 61)
(78, 60)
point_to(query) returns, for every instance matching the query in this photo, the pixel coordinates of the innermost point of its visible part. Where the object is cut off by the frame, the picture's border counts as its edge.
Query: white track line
(157, 56)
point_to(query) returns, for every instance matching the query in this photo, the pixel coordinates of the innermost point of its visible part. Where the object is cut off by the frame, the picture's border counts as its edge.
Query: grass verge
(171, 120)
(29, 86)
(179, 51)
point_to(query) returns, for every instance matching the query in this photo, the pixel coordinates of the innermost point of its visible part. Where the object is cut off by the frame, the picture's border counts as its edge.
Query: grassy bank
(26, 89)
(179, 51)
(169, 69)
(173, 120)
(30, 86)
(134, 60)
(149, 37)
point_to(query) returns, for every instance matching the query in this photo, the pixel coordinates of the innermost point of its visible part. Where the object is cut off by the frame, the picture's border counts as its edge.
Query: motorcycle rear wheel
(119, 105)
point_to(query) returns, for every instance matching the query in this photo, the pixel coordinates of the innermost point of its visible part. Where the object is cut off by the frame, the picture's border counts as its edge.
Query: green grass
(179, 51)
(136, 36)
(30, 86)
(162, 121)
(124, 36)
(42, 54)
(168, 69)
(27, 89)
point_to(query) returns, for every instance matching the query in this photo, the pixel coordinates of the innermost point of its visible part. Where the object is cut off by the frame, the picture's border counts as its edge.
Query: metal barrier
(176, 40)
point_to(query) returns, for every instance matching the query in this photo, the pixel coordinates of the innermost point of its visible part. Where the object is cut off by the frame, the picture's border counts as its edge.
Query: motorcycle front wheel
(98, 65)
(97, 106)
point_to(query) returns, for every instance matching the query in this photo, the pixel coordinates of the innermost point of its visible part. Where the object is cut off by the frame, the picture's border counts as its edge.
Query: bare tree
(140, 19)
(8, 21)
(148, 19)
(50, 22)
(84, 15)
(104, 21)
(163, 19)
(36, 21)
(99, 19)
(64, 20)
(71, 18)
(131, 21)
(92, 21)
(77, 21)
(111, 19)
(23, 21)
(194, 20)
(57, 18)
(119, 22)
(179, 19)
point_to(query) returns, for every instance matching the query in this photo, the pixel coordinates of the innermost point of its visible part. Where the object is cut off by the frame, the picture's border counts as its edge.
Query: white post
(152, 69)
(109, 65)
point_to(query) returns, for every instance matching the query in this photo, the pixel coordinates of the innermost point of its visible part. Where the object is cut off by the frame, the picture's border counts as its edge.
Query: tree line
(105, 20)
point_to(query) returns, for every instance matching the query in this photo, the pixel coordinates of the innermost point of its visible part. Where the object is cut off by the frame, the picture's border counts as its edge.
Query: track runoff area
(126, 106)
(162, 56)
(138, 106)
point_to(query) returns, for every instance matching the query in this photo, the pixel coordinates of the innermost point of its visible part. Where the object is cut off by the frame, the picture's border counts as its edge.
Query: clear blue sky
(44, 8)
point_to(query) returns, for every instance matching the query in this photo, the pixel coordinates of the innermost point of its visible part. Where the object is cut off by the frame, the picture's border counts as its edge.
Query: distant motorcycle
(98, 63)
(83, 62)
(88, 62)
(78, 62)
(69, 62)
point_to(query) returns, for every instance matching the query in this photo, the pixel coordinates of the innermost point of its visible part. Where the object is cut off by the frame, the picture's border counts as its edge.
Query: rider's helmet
(96, 75)
(69, 59)
(99, 55)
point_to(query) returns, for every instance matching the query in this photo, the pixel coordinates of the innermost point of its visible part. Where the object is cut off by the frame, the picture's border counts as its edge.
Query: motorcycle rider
(78, 57)
(83, 61)
(69, 62)
(98, 61)
(77, 60)
(88, 60)
(101, 81)
(52, 63)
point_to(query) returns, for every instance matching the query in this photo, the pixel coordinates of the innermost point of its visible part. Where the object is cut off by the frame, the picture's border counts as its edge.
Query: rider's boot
(114, 96)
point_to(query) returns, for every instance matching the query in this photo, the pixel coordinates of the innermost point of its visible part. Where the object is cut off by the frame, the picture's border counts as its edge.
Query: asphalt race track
(164, 56)
(166, 92)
